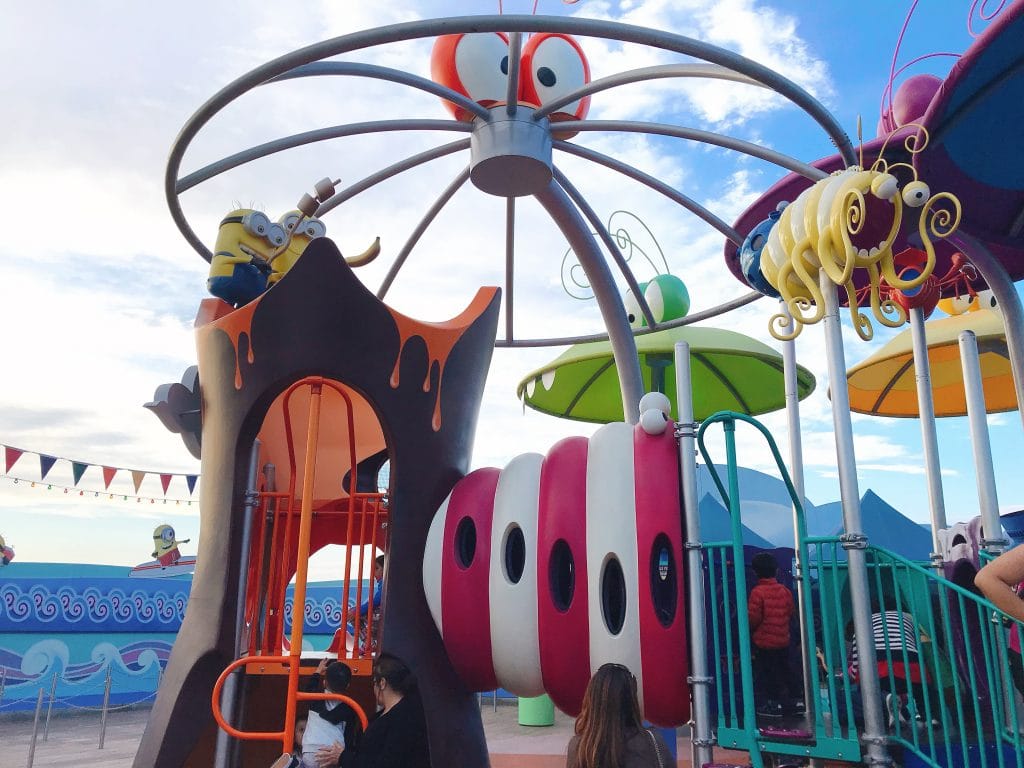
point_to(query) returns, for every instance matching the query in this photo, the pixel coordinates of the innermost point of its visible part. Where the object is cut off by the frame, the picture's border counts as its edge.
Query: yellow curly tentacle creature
(846, 222)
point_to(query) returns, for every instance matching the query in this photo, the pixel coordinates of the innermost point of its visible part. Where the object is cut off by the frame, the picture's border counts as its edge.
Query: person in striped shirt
(896, 650)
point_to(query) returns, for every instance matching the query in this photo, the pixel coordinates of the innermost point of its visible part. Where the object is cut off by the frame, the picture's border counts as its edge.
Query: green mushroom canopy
(728, 371)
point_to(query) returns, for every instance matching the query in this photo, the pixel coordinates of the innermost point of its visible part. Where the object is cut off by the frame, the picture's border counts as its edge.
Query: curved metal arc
(510, 266)
(658, 72)
(656, 184)
(610, 244)
(421, 227)
(696, 317)
(515, 51)
(309, 137)
(558, 205)
(356, 69)
(420, 29)
(392, 170)
(707, 137)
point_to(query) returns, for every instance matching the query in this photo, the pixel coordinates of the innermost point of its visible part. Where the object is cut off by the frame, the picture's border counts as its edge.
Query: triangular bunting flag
(45, 465)
(11, 455)
(165, 480)
(191, 481)
(78, 469)
(137, 477)
(108, 475)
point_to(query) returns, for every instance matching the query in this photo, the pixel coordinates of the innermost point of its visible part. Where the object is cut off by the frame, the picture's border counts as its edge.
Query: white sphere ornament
(653, 421)
(656, 401)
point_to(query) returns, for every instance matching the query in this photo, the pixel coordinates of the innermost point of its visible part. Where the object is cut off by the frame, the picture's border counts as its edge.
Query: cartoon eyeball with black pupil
(987, 300)
(916, 194)
(476, 66)
(167, 535)
(633, 313)
(313, 228)
(554, 65)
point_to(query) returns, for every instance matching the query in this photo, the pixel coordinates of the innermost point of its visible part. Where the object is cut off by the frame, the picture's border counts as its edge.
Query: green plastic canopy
(728, 371)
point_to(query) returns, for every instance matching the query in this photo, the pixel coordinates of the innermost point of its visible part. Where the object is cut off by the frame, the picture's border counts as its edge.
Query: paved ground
(74, 741)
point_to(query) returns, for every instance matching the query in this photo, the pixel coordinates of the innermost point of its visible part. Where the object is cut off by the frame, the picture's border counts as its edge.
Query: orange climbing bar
(287, 736)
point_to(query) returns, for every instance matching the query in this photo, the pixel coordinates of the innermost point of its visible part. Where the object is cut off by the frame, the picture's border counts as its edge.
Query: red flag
(137, 477)
(108, 475)
(165, 480)
(11, 455)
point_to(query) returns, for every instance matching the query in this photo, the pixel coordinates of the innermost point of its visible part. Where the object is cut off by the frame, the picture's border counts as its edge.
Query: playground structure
(316, 415)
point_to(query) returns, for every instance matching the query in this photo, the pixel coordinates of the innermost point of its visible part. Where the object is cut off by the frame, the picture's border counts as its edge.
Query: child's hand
(322, 666)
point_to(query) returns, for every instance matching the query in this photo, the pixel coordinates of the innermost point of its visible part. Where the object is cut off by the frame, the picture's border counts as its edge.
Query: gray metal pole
(106, 708)
(796, 472)
(701, 739)
(556, 202)
(988, 502)
(49, 707)
(999, 281)
(35, 729)
(929, 439)
(224, 749)
(854, 540)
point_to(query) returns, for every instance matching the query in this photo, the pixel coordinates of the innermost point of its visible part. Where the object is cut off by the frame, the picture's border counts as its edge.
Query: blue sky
(100, 290)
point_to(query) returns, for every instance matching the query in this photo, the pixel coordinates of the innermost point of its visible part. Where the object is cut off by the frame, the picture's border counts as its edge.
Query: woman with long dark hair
(609, 730)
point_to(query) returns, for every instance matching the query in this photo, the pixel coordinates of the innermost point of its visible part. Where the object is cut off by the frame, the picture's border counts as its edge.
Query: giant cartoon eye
(555, 65)
(655, 300)
(313, 228)
(916, 194)
(256, 223)
(475, 65)
(167, 535)
(987, 300)
(289, 220)
(633, 313)
(276, 235)
(884, 186)
(957, 305)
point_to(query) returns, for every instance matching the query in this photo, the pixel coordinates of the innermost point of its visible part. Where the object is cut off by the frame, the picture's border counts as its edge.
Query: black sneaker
(769, 709)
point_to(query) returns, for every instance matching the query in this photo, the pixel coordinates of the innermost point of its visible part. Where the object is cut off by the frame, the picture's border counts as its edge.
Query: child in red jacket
(770, 609)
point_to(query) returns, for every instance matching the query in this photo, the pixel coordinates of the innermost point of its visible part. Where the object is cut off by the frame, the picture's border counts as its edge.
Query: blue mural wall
(72, 625)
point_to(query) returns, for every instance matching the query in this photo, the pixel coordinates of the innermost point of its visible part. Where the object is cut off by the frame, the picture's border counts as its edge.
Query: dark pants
(771, 675)
(1016, 670)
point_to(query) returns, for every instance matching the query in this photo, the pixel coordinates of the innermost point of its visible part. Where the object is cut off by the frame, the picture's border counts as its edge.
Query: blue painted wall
(76, 623)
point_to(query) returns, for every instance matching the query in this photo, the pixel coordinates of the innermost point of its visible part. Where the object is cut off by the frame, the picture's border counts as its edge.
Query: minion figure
(300, 231)
(6, 553)
(247, 243)
(166, 546)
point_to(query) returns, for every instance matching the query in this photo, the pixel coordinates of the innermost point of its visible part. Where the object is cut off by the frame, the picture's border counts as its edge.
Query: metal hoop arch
(306, 62)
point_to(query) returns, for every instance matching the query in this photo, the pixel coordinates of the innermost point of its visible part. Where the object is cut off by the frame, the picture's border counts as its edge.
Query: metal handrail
(287, 736)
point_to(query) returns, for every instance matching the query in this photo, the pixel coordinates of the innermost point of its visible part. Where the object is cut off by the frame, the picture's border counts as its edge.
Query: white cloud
(100, 290)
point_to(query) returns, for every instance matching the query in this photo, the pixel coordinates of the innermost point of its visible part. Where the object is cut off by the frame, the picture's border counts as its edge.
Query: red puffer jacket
(770, 608)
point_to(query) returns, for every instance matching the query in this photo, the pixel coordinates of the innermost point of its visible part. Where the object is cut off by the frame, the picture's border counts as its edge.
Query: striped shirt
(892, 631)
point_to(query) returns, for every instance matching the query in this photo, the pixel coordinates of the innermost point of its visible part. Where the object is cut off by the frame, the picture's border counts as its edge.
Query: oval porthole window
(664, 595)
(613, 596)
(465, 542)
(515, 554)
(561, 575)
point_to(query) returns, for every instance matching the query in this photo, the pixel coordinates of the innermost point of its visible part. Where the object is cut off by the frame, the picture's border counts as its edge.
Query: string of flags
(78, 469)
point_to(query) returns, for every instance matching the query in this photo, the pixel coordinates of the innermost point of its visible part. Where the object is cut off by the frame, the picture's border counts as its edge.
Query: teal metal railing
(952, 703)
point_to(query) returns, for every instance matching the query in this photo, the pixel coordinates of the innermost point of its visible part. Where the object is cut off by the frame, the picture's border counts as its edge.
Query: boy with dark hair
(329, 721)
(770, 609)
